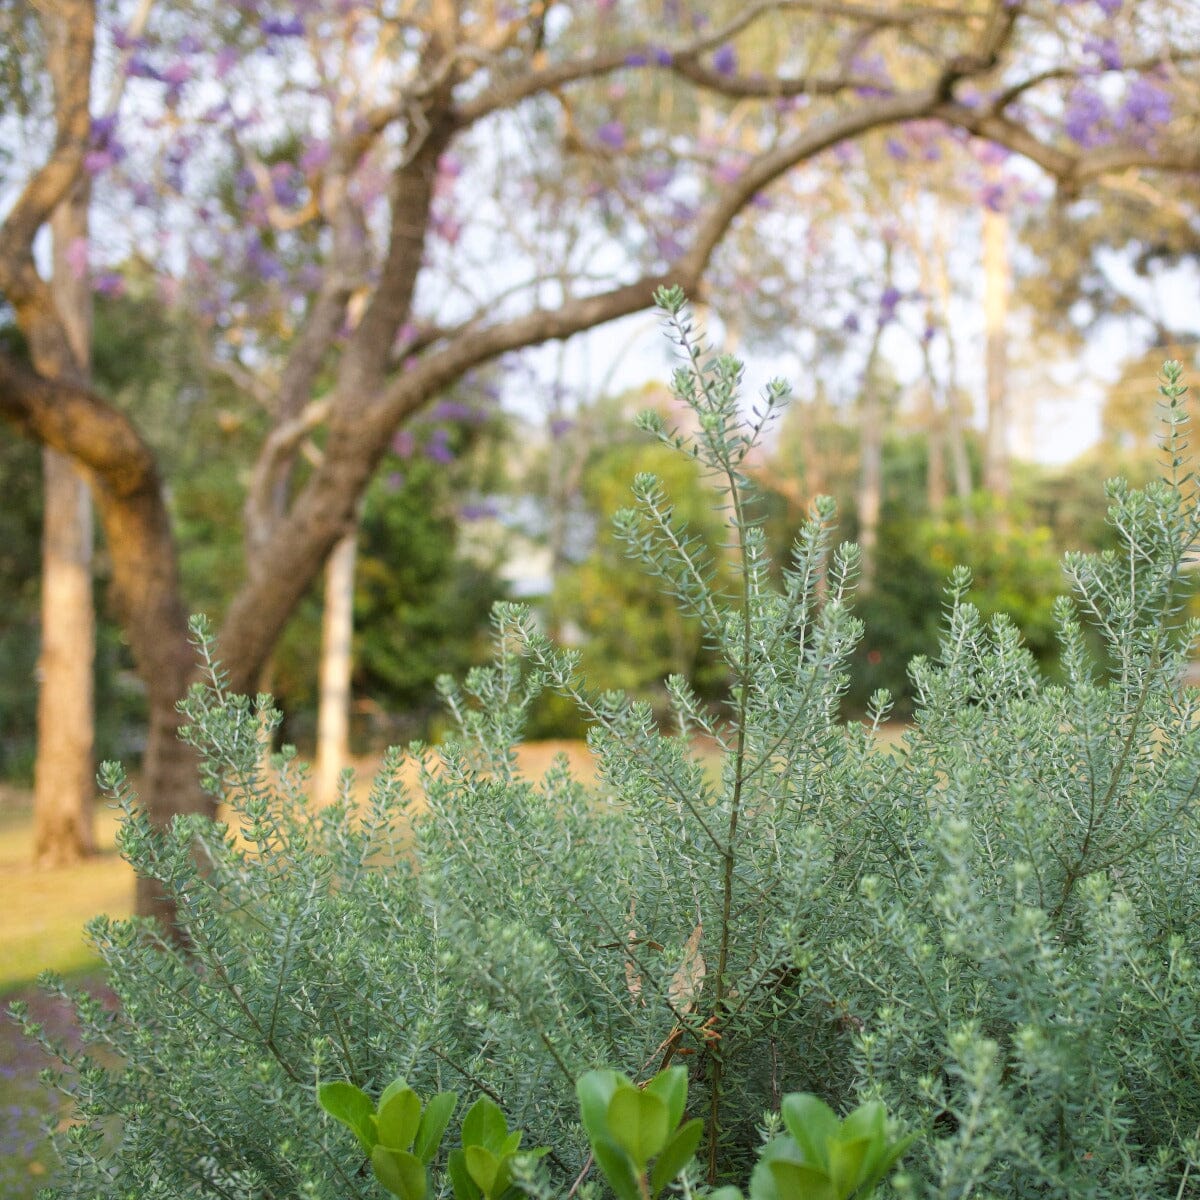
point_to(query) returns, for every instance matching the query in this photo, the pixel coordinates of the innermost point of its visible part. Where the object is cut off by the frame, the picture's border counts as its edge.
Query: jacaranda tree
(362, 204)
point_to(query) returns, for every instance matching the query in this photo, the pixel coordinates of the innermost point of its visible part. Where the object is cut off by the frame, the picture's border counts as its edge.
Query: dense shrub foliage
(992, 927)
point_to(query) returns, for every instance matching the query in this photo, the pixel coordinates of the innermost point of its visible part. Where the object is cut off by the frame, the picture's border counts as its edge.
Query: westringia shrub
(991, 928)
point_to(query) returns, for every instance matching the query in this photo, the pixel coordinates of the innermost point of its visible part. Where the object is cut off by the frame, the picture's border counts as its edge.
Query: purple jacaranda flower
(1106, 50)
(109, 283)
(637, 58)
(227, 58)
(95, 161)
(1146, 105)
(1109, 8)
(262, 262)
(189, 44)
(896, 149)
(663, 57)
(993, 196)
(851, 323)
(888, 300)
(667, 246)
(395, 481)
(437, 449)
(560, 427)
(177, 74)
(724, 60)
(403, 443)
(284, 186)
(480, 511)
(1086, 117)
(729, 170)
(139, 68)
(103, 129)
(991, 154)
(446, 226)
(450, 165)
(612, 135)
(453, 410)
(315, 155)
(282, 27)
(928, 334)
(654, 179)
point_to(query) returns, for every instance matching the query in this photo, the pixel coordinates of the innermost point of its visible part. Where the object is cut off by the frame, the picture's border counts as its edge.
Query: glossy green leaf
(812, 1123)
(867, 1120)
(402, 1173)
(618, 1169)
(637, 1121)
(799, 1181)
(676, 1154)
(847, 1163)
(461, 1182)
(352, 1106)
(594, 1091)
(433, 1124)
(881, 1164)
(484, 1167)
(399, 1117)
(484, 1125)
(726, 1193)
(397, 1085)
(670, 1086)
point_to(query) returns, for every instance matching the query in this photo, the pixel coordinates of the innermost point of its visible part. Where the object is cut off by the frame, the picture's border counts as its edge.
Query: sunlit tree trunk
(337, 661)
(64, 771)
(956, 439)
(996, 469)
(869, 497)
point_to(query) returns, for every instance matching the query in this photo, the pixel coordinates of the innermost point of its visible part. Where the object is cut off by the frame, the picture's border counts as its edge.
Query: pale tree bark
(869, 497)
(871, 418)
(997, 477)
(956, 421)
(64, 772)
(337, 663)
(935, 395)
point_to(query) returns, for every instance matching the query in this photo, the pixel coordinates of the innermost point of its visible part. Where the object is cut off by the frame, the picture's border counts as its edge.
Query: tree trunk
(996, 474)
(956, 423)
(869, 500)
(337, 661)
(64, 773)
(64, 788)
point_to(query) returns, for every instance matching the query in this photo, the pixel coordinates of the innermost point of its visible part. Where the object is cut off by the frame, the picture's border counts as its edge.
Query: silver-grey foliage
(992, 927)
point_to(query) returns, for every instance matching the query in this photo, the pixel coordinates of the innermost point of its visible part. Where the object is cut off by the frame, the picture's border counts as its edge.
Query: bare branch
(55, 178)
(686, 57)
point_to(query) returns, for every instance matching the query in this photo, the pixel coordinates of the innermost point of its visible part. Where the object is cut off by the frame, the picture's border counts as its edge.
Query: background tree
(367, 268)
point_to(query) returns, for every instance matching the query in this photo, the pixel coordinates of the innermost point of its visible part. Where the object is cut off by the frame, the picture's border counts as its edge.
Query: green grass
(42, 929)
(45, 911)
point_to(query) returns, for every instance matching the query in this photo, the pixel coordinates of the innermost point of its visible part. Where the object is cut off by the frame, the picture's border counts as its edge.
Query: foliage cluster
(992, 929)
(634, 638)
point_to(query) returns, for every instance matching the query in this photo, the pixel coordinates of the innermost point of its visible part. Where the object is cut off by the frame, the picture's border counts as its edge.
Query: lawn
(44, 914)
